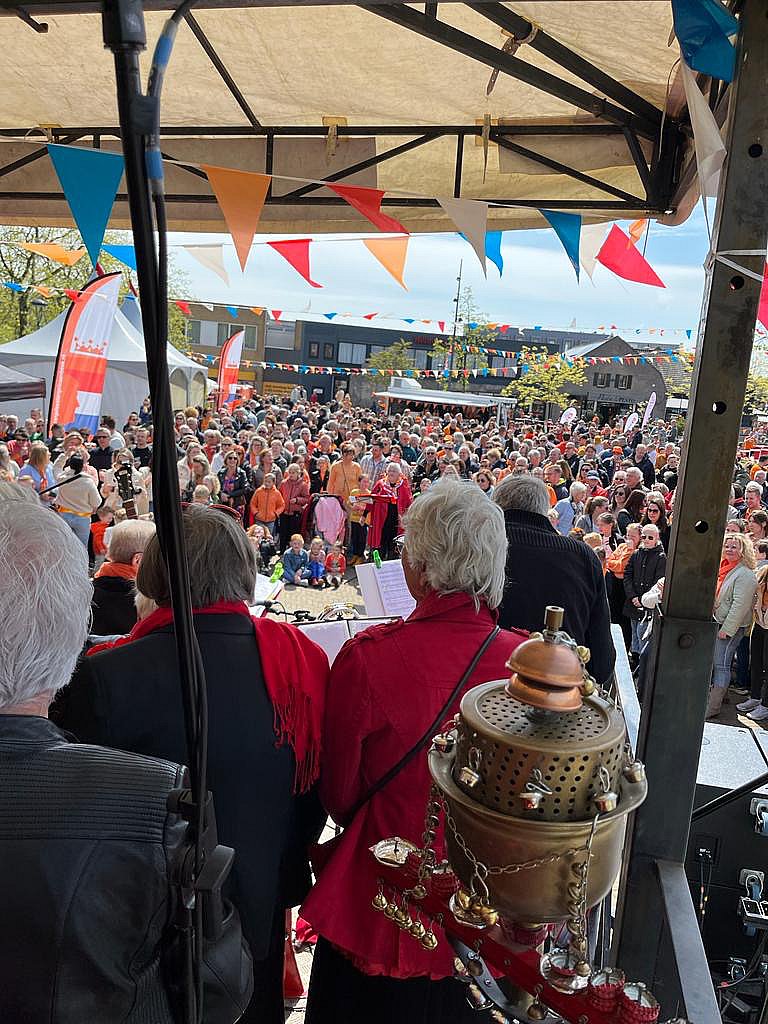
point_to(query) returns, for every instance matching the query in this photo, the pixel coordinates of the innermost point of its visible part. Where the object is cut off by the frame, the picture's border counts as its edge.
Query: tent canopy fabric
(15, 386)
(125, 385)
(368, 69)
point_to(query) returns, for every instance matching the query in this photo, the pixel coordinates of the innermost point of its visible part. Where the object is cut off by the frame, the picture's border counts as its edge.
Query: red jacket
(386, 686)
(382, 492)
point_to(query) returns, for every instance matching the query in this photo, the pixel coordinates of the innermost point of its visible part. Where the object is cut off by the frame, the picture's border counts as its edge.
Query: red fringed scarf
(295, 675)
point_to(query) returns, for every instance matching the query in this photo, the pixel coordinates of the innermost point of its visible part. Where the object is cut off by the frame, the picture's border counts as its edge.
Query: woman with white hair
(387, 684)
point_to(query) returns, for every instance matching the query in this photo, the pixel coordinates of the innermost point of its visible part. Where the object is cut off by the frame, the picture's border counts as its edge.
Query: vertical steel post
(673, 715)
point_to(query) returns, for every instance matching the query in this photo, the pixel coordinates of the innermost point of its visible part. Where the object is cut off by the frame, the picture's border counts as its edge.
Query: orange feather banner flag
(55, 252)
(241, 196)
(391, 254)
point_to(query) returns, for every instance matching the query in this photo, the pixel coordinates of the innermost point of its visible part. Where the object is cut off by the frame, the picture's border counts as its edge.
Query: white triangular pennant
(590, 244)
(471, 218)
(710, 150)
(211, 257)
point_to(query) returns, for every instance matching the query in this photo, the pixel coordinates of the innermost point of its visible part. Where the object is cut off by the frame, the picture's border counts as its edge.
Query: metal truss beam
(454, 39)
(674, 707)
(222, 69)
(521, 29)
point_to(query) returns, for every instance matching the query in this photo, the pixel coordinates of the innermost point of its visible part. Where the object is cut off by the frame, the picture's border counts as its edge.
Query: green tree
(396, 356)
(450, 353)
(544, 380)
(756, 395)
(22, 312)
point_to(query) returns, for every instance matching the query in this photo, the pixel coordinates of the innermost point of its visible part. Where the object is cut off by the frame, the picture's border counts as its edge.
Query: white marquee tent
(126, 383)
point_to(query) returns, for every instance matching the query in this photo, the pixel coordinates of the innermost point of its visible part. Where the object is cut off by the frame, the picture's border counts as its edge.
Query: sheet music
(331, 636)
(395, 596)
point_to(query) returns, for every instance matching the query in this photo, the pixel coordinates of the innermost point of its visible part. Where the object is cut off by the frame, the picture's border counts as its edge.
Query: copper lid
(546, 672)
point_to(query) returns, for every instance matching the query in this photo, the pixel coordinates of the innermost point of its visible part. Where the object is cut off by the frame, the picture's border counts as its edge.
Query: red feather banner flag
(368, 202)
(619, 255)
(762, 309)
(296, 252)
(229, 368)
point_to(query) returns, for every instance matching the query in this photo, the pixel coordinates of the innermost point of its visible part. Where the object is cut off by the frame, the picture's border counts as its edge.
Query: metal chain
(479, 869)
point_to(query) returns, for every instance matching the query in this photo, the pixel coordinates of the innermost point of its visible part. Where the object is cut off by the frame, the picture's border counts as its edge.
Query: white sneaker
(305, 583)
(748, 705)
(759, 714)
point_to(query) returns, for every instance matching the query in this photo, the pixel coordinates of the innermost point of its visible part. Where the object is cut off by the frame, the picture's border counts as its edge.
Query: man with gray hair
(544, 568)
(114, 585)
(86, 841)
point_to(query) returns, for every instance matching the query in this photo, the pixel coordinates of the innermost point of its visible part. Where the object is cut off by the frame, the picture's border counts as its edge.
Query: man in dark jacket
(544, 568)
(114, 585)
(129, 697)
(645, 466)
(86, 839)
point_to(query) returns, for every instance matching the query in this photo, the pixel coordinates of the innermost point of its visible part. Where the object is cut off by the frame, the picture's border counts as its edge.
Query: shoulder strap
(429, 732)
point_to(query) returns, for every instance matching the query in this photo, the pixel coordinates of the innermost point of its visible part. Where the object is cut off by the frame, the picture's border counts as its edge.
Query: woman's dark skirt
(339, 993)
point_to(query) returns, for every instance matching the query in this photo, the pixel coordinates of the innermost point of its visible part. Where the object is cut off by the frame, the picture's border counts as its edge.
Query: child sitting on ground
(316, 563)
(264, 544)
(296, 562)
(335, 565)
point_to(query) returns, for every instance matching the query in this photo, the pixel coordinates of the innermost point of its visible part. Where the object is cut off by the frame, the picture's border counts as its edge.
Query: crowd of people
(492, 521)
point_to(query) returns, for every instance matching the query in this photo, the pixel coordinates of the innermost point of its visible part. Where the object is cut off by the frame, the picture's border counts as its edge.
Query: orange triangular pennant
(391, 254)
(241, 196)
(54, 251)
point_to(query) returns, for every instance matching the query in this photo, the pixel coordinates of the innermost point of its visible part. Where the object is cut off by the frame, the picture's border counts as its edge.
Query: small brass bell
(390, 910)
(634, 772)
(379, 901)
(606, 802)
(584, 654)
(403, 919)
(463, 899)
(588, 687)
(531, 799)
(443, 743)
(488, 914)
(537, 1010)
(429, 940)
(417, 930)
(583, 968)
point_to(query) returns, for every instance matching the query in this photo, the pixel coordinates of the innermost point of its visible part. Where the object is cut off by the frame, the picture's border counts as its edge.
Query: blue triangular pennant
(89, 179)
(493, 249)
(408, 321)
(703, 28)
(233, 311)
(567, 227)
(125, 253)
(14, 287)
(330, 316)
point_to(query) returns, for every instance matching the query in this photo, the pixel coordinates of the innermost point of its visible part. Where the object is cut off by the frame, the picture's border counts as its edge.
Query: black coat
(545, 568)
(130, 698)
(86, 845)
(113, 606)
(644, 568)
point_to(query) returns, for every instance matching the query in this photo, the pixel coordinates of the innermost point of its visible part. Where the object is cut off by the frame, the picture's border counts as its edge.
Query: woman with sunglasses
(485, 481)
(633, 511)
(645, 568)
(618, 501)
(233, 483)
(656, 515)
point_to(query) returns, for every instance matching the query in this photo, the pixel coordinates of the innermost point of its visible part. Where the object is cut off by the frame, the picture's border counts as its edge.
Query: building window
(193, 332)
(328, 350)
(623, 381)
(250, 337)
(224, 332)
(419, 357)
(314, 350)
(350, 354)
(602, 380)
(502, 362)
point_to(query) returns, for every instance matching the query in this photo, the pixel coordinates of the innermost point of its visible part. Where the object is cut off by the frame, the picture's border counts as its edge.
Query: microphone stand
(124, 34)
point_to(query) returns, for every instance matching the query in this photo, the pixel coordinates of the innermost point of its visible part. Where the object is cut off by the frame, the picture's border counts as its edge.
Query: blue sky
(538, 285)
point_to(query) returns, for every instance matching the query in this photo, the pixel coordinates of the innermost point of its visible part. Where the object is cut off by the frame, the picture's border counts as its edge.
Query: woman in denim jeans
(734, 598)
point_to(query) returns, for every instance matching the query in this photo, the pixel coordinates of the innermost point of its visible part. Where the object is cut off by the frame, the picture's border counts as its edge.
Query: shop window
(602, 380)
(623, 381)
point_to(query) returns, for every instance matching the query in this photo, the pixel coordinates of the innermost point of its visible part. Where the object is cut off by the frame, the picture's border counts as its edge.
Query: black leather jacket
(86, 845)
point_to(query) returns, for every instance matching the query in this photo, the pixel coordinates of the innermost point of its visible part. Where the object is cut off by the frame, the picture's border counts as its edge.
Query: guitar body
(126, 490)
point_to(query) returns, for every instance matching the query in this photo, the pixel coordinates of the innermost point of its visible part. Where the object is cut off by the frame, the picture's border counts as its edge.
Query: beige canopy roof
(294, 71)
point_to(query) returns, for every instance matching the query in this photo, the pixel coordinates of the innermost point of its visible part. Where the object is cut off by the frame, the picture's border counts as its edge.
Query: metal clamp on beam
(759, 808)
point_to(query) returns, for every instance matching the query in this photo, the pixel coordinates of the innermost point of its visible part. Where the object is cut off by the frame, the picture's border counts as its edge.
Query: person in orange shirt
(345, 473)
(267, 504)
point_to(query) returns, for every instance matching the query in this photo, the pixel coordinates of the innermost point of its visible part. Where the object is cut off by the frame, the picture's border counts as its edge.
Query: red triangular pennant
(184, 307)
(762, 309)
(296, 252)
(276, 313)
(72, 294)
(619, 255)
(441, 326)
(368, 202)
(370, 316)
